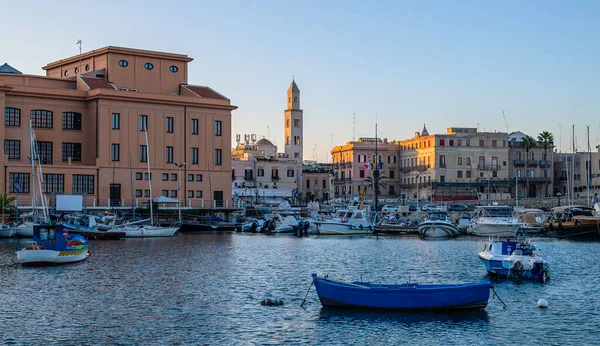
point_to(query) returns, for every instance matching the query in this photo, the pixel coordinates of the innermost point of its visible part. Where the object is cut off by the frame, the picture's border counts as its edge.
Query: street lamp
(559, 194)
(179, 166)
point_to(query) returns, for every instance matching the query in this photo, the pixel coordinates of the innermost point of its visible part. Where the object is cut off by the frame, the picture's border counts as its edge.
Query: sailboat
(25, 229)
(139, 230)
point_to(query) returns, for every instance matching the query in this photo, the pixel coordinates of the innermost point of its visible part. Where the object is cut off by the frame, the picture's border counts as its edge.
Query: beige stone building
(533, 170)
(317, 181)
(91, 114)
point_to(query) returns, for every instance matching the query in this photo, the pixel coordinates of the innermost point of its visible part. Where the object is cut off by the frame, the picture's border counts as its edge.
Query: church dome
(264, 141)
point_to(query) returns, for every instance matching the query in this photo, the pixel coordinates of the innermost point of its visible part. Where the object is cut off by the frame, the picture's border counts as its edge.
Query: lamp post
(558, 194)
(417, 178)
(179, 166)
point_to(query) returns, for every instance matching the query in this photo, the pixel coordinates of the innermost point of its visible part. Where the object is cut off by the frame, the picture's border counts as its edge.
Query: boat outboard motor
(253, 226)
(305, 226)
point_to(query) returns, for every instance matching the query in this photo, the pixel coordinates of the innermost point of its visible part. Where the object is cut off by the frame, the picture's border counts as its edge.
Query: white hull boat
(52, 245)
(50, 257)
(24, 230)
(7, 231)
(146, 231)
(346, 222)
(437, 226)
(495, 221)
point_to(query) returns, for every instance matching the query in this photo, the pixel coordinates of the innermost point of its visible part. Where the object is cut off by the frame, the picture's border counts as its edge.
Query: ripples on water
(207, 288)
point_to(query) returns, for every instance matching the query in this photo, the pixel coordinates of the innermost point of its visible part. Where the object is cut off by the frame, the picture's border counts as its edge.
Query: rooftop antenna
(331, 147)
(505, 122)
(79, 43)
(268, 132)
(559, 138)
(353, 126)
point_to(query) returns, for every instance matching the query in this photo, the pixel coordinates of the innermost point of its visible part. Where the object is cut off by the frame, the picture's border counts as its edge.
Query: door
(115, 195)
(218, 198)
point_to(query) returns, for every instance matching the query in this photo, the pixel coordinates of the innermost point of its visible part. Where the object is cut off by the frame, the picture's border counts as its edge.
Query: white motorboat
(146, 231)
(437, 225)
(24, 230)
(532, 220)
(346, 221)
(7, 231)
(494, 220)
(514, 258)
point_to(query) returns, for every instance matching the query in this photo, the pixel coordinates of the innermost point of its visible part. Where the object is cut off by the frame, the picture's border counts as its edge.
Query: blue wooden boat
(53, 245)
(409, 296)
(514, 258)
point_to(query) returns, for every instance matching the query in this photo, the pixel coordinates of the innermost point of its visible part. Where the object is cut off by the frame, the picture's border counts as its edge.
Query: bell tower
(294, 124)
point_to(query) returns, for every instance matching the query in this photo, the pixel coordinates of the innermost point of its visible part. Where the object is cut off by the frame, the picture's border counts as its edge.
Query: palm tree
(379, 183)
(546, 139)
(5, 202)
(528, 143)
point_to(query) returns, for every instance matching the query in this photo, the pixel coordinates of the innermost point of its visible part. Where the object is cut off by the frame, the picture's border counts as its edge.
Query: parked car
(412, 207)
(458, 207)
(431, 207)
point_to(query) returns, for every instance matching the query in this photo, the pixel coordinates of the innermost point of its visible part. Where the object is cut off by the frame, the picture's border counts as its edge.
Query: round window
(173, 68)
(87, 67)
(76, 70)
(123, 63)
(148, 66)
(66, 73)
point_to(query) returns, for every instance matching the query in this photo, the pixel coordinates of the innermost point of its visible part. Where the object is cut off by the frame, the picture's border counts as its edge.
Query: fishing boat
(345, 221)
(516, 258)
(53, 245)
(437, 225)
(494, 220)
(573, 222)
(408, 296)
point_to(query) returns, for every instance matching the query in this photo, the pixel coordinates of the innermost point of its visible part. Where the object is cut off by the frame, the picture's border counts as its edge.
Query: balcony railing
(545, 163)
(275, 178)
(535, 179)
(442, 165)
(563, 179)
(519, 163)
(482, 166)
(532, 163)
(420, 168)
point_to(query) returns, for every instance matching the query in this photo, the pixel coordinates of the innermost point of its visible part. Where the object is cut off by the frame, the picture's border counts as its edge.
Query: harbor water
(207, 289)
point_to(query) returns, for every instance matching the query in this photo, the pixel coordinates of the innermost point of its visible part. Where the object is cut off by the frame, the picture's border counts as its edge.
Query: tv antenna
(353, 126)
(505, 122)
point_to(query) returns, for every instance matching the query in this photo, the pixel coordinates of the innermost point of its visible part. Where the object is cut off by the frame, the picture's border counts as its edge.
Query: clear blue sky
(442, 63)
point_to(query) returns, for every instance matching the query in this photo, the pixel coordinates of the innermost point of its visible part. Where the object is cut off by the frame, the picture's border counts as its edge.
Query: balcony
(532, 163)
(422, 168)
(562, 179)
(275, 178)
(545, 164)
(519, 163)
(535, 179)
(442, 165)
(482, 167)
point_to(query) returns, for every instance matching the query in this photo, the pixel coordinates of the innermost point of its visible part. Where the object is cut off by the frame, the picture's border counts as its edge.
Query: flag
(380, 166)
(366, 166)
(17, 186)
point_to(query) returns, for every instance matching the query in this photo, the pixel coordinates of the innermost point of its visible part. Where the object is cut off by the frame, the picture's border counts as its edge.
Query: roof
(6, 68)
(424, 132)
(293, 87)
(204, 91)
(264, 141)
(97, 83)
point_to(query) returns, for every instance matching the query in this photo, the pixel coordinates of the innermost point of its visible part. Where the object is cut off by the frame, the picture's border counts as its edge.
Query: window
(442, 179)
(76, 70)
(173, 176)
(123, 63)
(194, 156)
(12, 116)
(198, 194)
(494, 143)
(468, 144)
(53, 183)
(165, 176)
(87, 67)
(217, 157)
(83, 184)
(190, 177)
(190, 193)
(392, 174)
(138, 193)
(44, 152)
(143, 153)
(165, 193)
(361, 173)
(18, 182)
(296, 140)
(198, 177)
(295, 99)
(442, 142)
(287, 123)
(116, 121)
(41, 119)
(143, 122)
(260, 172)
(459, 174)
(324, 183)
(296, 122)
(290, 173)
(173, 68)
(173, 193)
(218, 129)
(481, 162)
(12, 148)
(169, 154)
(468, 161)
(72, 150)
(274, 173)
(169, 125)
(442, 161)
(147, 176)
(148, 66)
(146, 193)
(494, 174)
(115, 152)
(451, 142)
(138, 176)
(194, 126)
(468, 174)
(71, 121)
(495, 162)
(481, 143)
(66, 73)
(459, 161)
(308, 184)
(459, 142)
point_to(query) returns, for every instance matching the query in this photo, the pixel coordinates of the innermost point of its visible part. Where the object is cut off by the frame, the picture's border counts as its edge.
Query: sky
(400, 64)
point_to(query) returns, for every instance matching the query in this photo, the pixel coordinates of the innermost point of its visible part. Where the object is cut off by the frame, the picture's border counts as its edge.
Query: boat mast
(573, 169)
(588, 172)
(375, 174)
(149, 177)
(32, 159)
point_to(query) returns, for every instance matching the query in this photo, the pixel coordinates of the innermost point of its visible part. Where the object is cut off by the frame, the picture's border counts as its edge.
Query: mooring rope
(497, 296)
(309, 287)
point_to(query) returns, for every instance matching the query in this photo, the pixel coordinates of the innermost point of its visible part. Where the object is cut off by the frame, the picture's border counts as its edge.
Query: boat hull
(39, 258)
(24, 231)
(502, 268)
(148, 232)
(339, 228)
(7, 232)
(438, 230)
(359, 295)
(489, 229)
(582, 230)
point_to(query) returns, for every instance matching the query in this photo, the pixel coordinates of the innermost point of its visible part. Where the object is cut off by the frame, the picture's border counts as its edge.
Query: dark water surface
(207, 288)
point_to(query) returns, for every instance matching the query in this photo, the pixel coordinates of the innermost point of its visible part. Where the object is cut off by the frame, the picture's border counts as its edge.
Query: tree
(5, 202)
(528, 143)
(380, 182)
(546, 139)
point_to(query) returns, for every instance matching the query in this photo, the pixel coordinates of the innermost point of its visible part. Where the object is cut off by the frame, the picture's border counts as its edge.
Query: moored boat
(494, 220)
(516, 258)
(7, 231)
(344, 222)
(53, 245)
(437, 225)
(573, 222)
(408, 296)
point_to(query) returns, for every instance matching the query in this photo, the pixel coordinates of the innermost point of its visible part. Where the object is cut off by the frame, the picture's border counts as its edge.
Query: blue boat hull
(364, 295)
(495, 268)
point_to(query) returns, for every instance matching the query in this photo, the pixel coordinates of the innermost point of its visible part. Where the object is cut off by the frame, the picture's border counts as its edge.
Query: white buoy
(542, 304)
